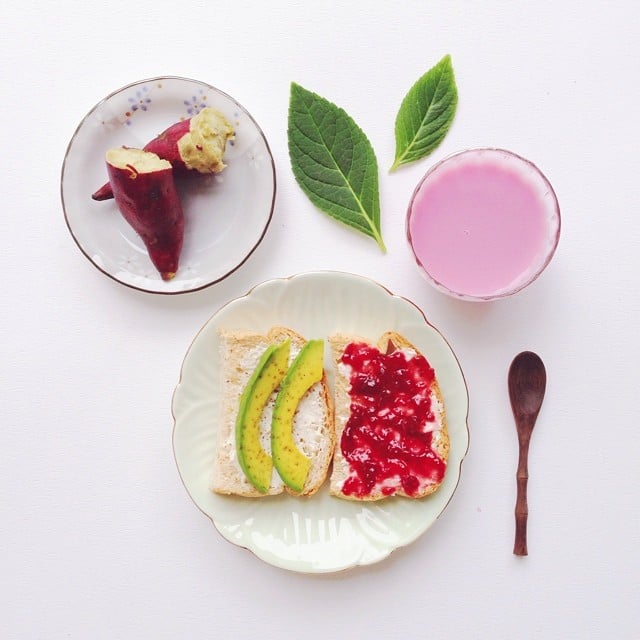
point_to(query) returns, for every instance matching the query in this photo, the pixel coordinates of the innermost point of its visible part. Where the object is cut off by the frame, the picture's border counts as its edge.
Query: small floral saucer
(226, 215)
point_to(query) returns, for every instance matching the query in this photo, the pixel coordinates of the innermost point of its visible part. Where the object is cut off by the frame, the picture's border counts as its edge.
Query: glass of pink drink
(483, 224)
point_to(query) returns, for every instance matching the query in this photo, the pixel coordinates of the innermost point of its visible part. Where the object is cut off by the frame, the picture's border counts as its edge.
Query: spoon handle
(522, 509)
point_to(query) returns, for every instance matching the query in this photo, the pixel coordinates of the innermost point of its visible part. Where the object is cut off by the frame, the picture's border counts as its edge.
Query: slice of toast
(378, 452)
(313, 430)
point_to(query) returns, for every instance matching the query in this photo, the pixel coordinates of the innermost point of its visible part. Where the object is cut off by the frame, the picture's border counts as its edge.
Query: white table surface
(99, 538)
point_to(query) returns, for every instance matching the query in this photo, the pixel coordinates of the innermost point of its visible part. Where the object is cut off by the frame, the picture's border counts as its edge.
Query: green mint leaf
(426, 113)
(334, 162)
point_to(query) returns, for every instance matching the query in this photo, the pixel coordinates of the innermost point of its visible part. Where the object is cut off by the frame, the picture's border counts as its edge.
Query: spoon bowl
(527, 381)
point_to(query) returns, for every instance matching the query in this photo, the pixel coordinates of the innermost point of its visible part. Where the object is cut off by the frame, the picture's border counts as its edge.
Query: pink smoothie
(483, 223)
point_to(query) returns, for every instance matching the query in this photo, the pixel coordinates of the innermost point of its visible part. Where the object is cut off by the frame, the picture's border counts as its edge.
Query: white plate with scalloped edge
(322, 533)
(226, 215)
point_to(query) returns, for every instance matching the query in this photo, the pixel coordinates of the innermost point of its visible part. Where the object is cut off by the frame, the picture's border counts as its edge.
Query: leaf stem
(378, 238)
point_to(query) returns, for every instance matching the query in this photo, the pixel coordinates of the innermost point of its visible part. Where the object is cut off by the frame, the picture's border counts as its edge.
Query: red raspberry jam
(387, 439)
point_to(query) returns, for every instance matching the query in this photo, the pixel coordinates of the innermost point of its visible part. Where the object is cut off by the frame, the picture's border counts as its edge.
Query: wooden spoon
(527, 383)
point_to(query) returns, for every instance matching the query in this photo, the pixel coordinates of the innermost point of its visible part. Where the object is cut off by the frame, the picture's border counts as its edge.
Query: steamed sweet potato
(145, 192)
(197, 144)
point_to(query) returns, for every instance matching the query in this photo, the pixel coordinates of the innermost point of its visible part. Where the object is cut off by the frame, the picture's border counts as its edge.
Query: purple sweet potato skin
(165, 145)
(105, 192)
(149, 202)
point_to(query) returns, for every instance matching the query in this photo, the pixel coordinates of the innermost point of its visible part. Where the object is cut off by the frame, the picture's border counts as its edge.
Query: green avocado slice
(292, 465)
(270, 370)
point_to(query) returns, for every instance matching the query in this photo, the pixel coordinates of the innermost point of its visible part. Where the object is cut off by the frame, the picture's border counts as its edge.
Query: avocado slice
(292, 465)
(269, 372)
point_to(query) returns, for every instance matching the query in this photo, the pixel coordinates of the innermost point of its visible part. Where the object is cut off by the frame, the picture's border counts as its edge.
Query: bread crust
(318, 444)
(440, 439)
